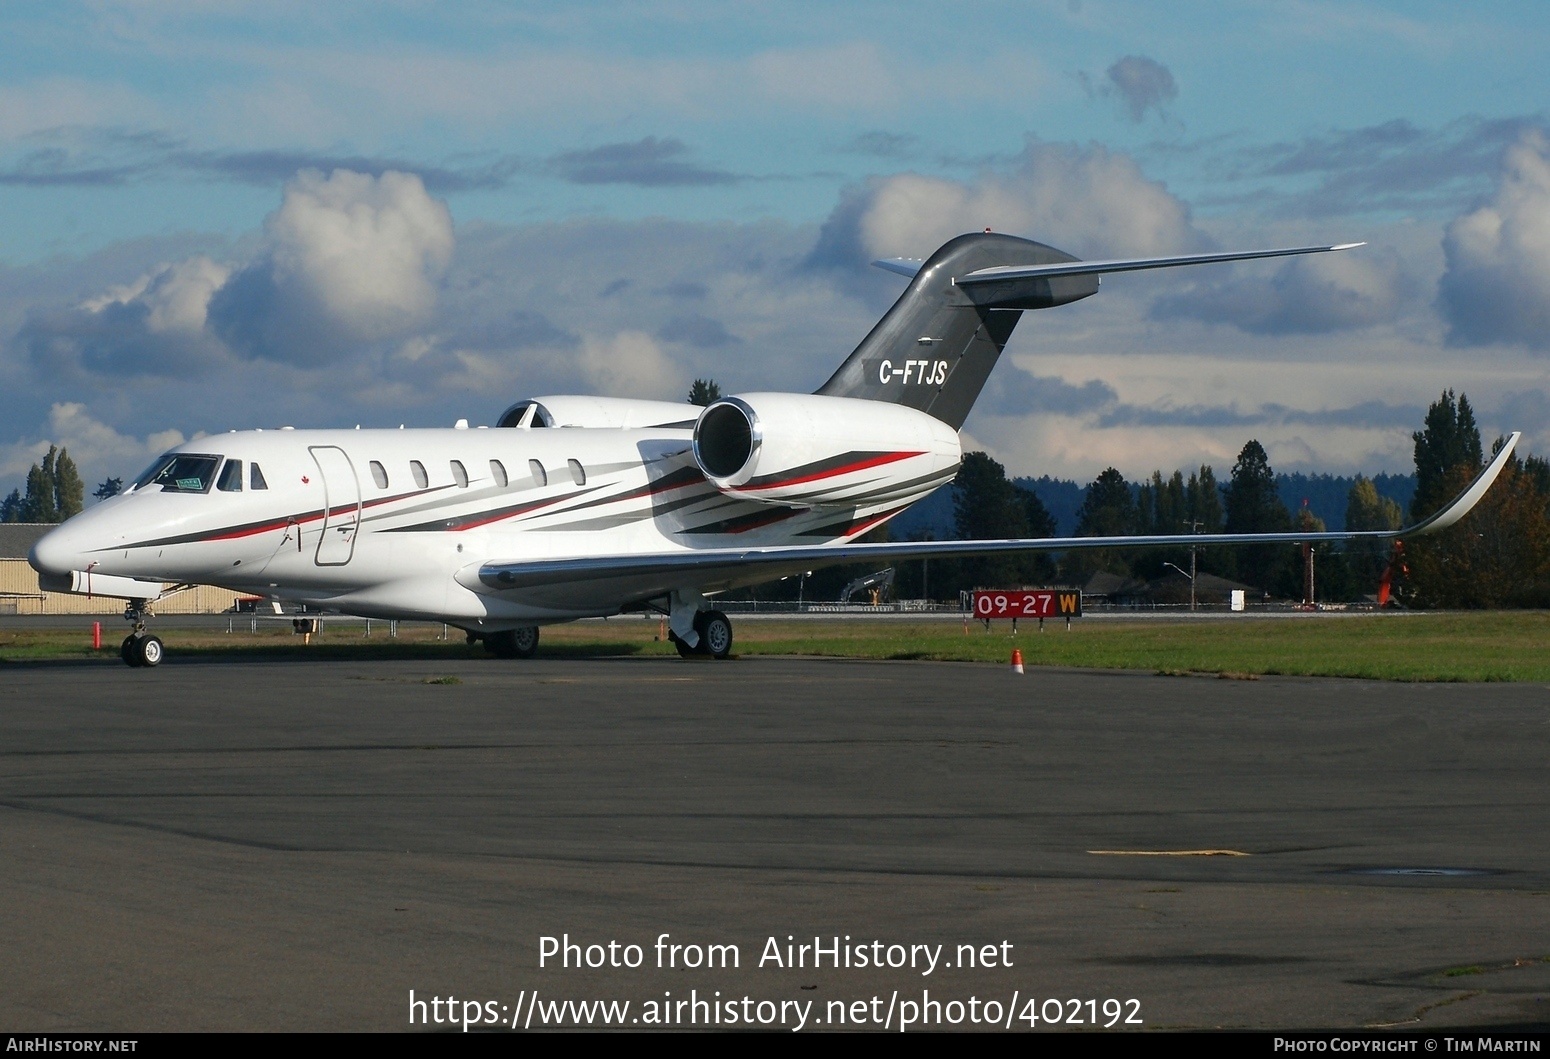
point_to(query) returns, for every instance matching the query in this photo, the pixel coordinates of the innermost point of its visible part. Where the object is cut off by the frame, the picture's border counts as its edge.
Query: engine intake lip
(727, 437)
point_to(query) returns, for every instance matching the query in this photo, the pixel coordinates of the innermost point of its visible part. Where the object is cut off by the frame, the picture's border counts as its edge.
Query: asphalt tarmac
(298, 845)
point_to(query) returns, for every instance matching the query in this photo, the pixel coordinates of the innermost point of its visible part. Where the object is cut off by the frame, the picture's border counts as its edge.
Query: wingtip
(1466, 501)
(1347, 246)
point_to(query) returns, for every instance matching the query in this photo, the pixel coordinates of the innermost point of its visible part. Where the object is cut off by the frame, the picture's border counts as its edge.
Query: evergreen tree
(11, 507)
(1162, 508)
(69, 490)
(1039, 521)
(110, 488)
(1536, 467)
(1253, 505)
(1450, 439)
(704, 392)
(986, 506)
(1108, 510)
(41, 503)
(1203, 501)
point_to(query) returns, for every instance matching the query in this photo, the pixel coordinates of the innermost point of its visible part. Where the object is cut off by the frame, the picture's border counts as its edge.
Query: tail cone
(1017, 660)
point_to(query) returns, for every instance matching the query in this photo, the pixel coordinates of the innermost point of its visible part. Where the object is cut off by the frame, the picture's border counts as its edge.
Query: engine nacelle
(809, 450)
(577, 410)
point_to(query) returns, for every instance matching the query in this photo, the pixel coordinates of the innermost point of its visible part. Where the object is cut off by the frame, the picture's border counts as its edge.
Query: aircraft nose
(56, 553)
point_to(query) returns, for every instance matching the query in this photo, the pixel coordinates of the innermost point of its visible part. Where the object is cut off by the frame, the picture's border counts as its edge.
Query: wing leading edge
(639, 577)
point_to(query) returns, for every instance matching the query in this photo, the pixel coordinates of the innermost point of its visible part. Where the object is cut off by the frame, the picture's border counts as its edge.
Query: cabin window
(379, 474)
(256, 477)
(577, 472)
(459, 474)
(540, 476)
(181, 473)
(417, 469)
(498, 473)
(231, 477)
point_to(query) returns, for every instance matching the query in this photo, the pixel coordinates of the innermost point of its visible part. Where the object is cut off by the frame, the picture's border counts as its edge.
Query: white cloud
(369, 249)
(631, 364)
(1088, 201)
(1497, 284)
(175, 296)
(1307, 295)
(349, 259)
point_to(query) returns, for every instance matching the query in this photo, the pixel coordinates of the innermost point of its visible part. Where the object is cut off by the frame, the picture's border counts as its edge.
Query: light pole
(1194, 527)
(1190, 574)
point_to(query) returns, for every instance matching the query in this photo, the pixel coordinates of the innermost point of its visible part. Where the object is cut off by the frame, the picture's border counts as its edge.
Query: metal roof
(17, 538)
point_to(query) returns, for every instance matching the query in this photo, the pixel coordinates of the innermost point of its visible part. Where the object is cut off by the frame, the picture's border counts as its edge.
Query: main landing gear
(140, 649)
(715, 630)
(513, 643)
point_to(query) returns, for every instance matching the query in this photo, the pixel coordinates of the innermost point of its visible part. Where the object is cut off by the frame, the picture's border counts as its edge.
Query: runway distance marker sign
(1027, 603)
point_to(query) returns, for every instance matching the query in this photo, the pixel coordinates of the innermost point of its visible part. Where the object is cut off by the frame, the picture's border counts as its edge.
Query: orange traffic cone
(1017, 660)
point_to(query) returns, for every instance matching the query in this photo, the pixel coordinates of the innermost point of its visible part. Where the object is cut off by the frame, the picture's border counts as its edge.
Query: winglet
(1465, 501)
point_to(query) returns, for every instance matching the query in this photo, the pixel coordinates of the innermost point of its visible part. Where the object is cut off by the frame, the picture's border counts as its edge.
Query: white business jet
(576, 507)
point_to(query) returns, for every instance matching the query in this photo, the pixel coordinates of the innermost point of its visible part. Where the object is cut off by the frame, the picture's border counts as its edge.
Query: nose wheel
(141, 650)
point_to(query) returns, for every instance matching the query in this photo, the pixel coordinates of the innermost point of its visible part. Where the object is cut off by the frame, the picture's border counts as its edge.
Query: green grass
(1493, 646)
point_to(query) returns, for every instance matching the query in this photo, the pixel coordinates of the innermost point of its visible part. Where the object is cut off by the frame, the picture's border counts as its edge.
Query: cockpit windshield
(180, 472)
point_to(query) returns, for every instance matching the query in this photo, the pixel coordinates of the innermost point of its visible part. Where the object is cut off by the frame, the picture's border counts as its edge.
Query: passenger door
(342, 505)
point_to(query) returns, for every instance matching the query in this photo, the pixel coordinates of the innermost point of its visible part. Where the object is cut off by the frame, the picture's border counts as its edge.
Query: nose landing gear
(140, 649)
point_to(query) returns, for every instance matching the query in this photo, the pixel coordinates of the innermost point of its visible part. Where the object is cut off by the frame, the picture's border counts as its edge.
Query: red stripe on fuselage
(849, 468)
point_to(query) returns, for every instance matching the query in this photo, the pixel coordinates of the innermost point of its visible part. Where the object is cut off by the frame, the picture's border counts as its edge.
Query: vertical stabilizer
(936, 347)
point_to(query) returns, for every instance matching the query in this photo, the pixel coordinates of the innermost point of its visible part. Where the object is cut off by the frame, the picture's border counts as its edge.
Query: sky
(225, 214)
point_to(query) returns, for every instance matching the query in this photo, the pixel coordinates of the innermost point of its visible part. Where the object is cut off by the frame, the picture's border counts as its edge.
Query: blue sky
(505, 199)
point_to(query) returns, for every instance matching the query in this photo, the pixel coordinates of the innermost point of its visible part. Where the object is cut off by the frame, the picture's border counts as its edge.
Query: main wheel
(525, 641)
(513, 643)
(684, 650)
(715, 630)
(130, 651)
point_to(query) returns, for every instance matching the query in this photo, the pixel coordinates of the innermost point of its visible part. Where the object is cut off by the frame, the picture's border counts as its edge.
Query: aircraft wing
(559, 582)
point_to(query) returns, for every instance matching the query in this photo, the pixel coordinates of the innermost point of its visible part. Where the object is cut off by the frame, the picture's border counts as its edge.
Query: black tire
(130, 651)
(525, 641)
(684, 650)
(149, 651)
(513, 643)
(715, 630)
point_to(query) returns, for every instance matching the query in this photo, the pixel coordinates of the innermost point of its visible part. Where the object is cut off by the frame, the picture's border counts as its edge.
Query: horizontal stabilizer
(649, 576)
(904, 266)
(1006, 273)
